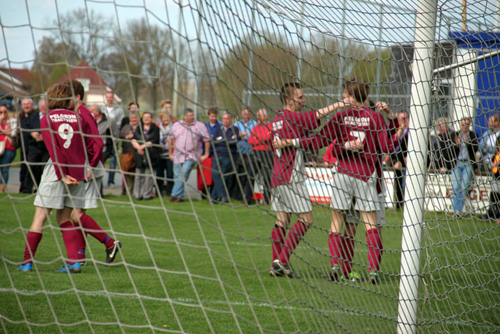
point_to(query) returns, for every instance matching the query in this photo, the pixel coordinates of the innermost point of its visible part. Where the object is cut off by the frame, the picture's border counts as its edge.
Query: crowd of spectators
(156, 153)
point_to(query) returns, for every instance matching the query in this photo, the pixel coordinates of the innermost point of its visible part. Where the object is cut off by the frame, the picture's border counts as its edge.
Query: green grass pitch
(196, 268)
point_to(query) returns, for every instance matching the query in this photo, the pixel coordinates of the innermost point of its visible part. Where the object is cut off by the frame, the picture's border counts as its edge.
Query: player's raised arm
(323, 112)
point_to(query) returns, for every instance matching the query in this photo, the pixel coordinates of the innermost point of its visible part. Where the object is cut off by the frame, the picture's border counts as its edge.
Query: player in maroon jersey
(95, 175)
(363, 134)
(62, 186)
(43, 203)
(352, 217)
(289, 193)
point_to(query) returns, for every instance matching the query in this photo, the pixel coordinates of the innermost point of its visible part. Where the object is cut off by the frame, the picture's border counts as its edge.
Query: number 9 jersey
(62, 134)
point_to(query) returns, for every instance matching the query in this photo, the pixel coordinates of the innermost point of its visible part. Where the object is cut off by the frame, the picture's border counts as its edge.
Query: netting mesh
(200, 266)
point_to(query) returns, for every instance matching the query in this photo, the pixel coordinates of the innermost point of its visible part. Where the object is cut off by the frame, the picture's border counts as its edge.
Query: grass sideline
(196, 268)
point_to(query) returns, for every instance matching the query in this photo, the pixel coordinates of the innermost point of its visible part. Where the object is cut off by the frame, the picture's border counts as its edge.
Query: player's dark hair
(358, 88)
(132, 103)
(212, 111)
(287, 91)
(187, 111)
(59, 96)
(77, 88)
(372, 105)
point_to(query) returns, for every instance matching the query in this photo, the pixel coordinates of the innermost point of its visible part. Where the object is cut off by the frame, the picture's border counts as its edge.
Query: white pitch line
(223, 302)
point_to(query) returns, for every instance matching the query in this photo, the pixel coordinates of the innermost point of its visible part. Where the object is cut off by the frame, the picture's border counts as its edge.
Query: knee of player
(76, 214)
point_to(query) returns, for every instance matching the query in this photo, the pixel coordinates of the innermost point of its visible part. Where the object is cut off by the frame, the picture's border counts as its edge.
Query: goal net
(200, 265)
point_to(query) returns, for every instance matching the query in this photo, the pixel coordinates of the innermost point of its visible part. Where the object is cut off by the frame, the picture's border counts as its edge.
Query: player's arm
(321, 139)
(70, 181)
(93, 141)
(323, 112)
(57, 153)
(47, 138)
(51, 145)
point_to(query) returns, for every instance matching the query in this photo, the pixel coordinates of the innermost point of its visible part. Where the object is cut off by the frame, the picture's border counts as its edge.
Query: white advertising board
(438, 190)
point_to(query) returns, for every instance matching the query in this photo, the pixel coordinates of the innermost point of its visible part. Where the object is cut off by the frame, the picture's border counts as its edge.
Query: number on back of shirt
(359, 135)
(66, 133)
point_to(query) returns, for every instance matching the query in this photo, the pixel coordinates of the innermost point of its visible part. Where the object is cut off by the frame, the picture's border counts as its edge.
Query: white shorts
(348, 187)
(353, 216)
(92, 193)
(55, 194)
(291, 198)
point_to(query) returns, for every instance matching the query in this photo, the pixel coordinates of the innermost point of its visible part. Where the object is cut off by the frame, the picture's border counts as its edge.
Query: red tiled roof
(84, 71)
(21, 73)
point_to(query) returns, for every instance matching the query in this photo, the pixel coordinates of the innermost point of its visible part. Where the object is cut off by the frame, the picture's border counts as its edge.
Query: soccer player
(289, 193)
(62, 186)
(362, 133)
(93, 144)
(353, 216)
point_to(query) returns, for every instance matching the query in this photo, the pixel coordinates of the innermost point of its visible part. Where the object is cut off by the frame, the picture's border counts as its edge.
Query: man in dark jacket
(225, 140)
(398, 158)
(37, 152)
(443, 146)
(26, 116)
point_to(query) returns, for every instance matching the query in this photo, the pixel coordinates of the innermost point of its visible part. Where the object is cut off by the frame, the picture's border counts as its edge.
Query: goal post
(412, 240)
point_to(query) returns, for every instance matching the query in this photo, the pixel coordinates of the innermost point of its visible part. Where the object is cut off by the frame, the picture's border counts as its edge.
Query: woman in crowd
(127, 157)
(8, 127)
(165, 165)
(146, 143)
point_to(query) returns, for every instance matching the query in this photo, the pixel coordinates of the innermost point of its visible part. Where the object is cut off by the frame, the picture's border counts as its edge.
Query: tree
(274, 63)
(86, 33)
(143, 60)
(77, 35)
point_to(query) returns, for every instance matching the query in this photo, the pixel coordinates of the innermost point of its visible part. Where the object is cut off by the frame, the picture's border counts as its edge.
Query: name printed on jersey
(66, 118)
(357, 121)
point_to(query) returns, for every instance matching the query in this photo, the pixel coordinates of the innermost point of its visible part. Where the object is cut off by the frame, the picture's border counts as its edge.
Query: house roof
(11, 84)
(84, 71)
(21, 73)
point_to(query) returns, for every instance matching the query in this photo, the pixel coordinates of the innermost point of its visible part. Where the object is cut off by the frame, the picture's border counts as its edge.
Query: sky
(24, 22)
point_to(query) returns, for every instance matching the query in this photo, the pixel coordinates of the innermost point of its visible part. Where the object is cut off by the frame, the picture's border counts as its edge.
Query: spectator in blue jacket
(225, 140)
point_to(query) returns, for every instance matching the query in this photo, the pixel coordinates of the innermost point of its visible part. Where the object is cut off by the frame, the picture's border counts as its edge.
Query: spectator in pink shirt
(185, 145)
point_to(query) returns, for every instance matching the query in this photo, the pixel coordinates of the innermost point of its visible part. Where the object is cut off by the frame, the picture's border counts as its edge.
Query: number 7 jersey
(62, 134)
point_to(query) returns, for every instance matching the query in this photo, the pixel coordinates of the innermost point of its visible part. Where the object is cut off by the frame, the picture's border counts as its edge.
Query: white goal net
(189, 264)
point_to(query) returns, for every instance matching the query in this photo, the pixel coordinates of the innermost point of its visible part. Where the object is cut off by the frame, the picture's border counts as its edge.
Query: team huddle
(356, 137)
